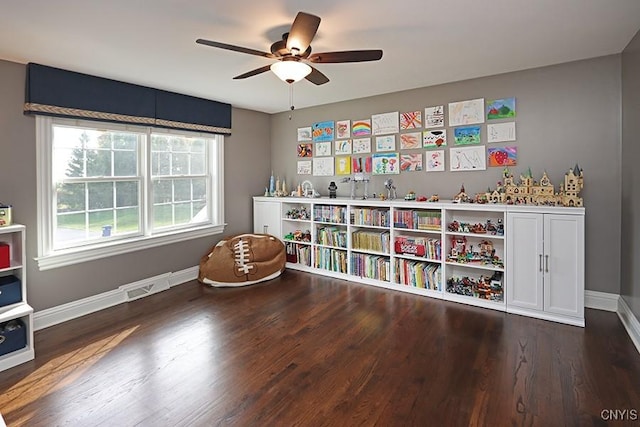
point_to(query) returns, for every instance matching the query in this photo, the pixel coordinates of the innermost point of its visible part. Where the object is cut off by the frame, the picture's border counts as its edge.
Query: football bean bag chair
(243, 259)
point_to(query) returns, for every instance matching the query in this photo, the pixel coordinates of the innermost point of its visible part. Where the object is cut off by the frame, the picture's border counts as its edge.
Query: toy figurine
(391, 189)
(332, 190)
(411, 195)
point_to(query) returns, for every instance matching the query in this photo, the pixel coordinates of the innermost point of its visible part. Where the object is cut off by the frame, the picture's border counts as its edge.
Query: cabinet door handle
(540, 262)
(546, 263)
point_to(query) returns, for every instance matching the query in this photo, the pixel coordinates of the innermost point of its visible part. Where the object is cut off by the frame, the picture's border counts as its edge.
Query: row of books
(419, 274)
(329, 213)
(371, 241)
(330, 259)
(332, 236)
(366, 216)
(430, 248)
(417, 220)
(298, 254)
(371, 266)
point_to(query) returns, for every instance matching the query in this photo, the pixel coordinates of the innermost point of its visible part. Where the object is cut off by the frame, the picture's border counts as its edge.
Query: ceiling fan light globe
(290, 71)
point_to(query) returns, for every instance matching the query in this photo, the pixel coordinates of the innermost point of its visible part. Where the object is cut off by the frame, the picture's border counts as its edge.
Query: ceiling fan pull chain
(291, 99)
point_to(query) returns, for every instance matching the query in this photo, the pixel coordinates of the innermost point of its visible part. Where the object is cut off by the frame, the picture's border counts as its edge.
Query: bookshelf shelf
(455, 252)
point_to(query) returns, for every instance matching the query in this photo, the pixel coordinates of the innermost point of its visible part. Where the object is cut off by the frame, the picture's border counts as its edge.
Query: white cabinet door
(266, 218)
(524, 263)
(564, 264)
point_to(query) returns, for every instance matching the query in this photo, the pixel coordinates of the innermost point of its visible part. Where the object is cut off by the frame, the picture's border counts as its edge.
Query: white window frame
(48, 258)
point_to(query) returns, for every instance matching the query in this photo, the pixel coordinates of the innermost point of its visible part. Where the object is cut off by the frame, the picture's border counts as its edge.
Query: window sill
(79, 255)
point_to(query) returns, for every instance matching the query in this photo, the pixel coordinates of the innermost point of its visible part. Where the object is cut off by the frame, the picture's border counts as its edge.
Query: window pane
(162, 191)
(70, 197)
(182, 190)
(180, 164)
(127, 220)
(197, 164)
(126, 194)
(162, 215)
(199, 189)
(125, 163)
(160, 164)
(101, 223)
(75, 221)
(98, 162)
(100, 195)
(183, 213)
(125, 141)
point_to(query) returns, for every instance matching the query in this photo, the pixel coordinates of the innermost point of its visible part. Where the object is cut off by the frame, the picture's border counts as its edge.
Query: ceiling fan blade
(316, 77)
(302, 31)
(253, 72)
(346, 56)
(235, 48)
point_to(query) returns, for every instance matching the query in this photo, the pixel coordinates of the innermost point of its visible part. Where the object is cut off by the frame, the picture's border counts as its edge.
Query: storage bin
(13, 336)
(10, 290)
(5, 214)
(5, 255)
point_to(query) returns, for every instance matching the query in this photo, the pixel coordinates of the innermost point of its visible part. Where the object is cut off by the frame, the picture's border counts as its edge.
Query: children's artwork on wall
(501, 109)
(385, 163)
(305, 150)
(361, 164)
(343, 147)
(323, 148)
(343, 129)
(322, 131)
(304, 167)
(410, 140)
(386, 123)
(411, 162)
(410, 120)
(386, 143)
(466, 112)
(434, 116)
(500, 132)
(361, 127)
(323, 166)
(304, 134)
(435, 160)
(361, 145)
(343, 165)
(467, 135)
(467, 158)
(434, 138)
(506, 156)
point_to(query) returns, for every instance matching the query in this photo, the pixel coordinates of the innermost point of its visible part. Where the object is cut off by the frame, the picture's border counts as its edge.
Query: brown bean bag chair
(243, 259)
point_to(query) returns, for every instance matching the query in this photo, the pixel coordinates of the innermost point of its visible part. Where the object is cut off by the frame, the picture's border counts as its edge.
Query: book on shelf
(419, 246)
(371, 266)
(332, 236)
(330, 213)
(372, 217)
(378, 241)
(419, 274)
(417, 219)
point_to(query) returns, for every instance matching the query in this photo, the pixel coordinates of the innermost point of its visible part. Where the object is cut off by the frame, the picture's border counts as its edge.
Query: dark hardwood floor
(308, 350)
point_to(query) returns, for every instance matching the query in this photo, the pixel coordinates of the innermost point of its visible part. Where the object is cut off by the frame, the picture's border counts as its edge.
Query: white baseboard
(601, 300)
(630, 322)
(142, 288)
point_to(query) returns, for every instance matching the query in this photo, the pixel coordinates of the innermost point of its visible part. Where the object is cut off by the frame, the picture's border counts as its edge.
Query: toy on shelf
(489, 288)
(411, 195)
(354, 180)
(299, 236)
(391, 189)
(462, 196)
(433, 198)
(307, 189)
(298, 213)
(485, 255)
(332, 190)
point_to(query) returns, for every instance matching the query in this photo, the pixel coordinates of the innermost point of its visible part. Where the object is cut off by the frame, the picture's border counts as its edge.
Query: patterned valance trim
(53, 110)
(192, 126)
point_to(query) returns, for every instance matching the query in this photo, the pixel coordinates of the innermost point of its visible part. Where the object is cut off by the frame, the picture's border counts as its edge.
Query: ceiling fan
(294, 51)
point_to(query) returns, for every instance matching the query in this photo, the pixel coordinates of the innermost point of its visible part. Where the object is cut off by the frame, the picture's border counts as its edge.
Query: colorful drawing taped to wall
(505, 156)
(305, 150)
(467, 158)
(361, 145)
(410, 120)
(322, 131)
(343, 129)
(385, 123)
(343, 147)
(410, 140)
(466, 112)
(501, 132)
(304, 167)
(434, 116)
(435, 160)
(385, 163)
(467, 135)
(434, 138)
(361, 164)
(386, 143)
(323, 148)
(323, 166)
(361, 127)
(501, 109)
(411, 162)
(343, 165)
(304, 134)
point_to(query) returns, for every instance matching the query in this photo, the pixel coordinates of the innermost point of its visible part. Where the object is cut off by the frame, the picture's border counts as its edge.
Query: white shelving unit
(457, 252)
(14, 236)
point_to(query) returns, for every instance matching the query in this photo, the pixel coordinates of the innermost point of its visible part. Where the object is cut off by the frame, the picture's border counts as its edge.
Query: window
(105, 189)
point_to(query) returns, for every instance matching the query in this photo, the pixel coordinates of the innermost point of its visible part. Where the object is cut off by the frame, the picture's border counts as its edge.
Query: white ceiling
(425, 42)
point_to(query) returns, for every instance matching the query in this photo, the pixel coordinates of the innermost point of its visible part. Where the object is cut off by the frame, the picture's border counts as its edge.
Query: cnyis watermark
(619, 415)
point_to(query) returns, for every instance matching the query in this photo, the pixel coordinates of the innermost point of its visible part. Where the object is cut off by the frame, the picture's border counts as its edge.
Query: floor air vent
(144, 288)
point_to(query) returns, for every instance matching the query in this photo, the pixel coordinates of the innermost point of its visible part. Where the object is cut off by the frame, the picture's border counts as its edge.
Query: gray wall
(50, 288)
(630, 249)
(566, 114)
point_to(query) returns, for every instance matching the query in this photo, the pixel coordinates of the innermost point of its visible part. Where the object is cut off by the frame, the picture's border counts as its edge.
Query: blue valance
(61, 93)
